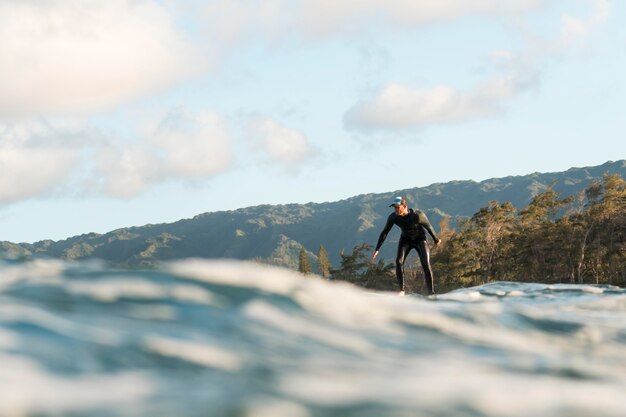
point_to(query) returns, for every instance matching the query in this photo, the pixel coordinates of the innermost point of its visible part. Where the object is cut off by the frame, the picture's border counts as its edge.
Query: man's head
(398, 204)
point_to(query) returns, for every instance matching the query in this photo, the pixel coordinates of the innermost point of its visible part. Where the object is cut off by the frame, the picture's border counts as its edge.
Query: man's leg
(403, 251)
(422, 251)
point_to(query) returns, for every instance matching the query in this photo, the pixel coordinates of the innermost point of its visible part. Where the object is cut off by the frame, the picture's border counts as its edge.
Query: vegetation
(534, 235)
(304, 265)
(358, 269)
(551, 240)
(323, 263)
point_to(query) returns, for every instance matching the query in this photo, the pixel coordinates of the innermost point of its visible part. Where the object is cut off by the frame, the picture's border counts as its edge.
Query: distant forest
(578, 239)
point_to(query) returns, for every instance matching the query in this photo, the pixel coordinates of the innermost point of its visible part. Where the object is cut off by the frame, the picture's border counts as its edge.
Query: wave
(230, 338)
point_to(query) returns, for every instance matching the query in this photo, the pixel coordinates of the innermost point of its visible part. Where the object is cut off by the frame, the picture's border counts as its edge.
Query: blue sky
(123, 113)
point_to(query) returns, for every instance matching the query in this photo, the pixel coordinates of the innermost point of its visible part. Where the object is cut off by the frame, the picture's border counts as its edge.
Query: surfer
(412, 223)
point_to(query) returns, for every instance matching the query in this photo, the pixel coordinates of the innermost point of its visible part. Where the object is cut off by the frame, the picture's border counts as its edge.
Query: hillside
(275, 233)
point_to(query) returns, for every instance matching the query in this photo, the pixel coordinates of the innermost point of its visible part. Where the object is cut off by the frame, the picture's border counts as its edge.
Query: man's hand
(374, 256)
(437, 242)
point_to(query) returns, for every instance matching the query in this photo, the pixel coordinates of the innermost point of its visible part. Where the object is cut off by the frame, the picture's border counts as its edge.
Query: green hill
(275, 233)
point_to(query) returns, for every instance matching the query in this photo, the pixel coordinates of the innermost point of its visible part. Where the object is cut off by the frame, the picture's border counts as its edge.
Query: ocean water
(225, 338)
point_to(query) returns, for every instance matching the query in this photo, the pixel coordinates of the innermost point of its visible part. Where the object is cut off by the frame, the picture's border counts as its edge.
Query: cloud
(193, 144)
(127, 172)
(322, 16)
(186, 146)
(287, 147)
(234, 19)
(399, 106)
(183, 145)
(39, 157)
(82, 55)
(34, 159)
(574, 28)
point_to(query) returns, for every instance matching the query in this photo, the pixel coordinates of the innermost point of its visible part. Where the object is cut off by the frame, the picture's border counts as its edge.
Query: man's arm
(423, 220)
(383, 235)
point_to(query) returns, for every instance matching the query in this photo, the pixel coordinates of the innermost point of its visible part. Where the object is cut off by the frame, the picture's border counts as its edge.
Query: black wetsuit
(413, 226)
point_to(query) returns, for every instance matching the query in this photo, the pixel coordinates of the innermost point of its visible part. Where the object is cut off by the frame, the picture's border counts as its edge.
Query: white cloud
(329, 15)
(128, 171)
(183, 145)
(40, 157)
(399, 106)
(233, 19)
(84, 55)
(194, 144)
(288, 147)
(34, 159)
(573, 28)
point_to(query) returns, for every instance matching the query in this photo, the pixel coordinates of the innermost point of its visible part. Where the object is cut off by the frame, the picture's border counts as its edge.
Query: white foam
(198, 353)
(28, 389)
(438, 383)
(238, 274)
(195, 294)
(346, 305)
(8, 339)
(307, 329)
(44, 272)
(111, 290)
(465, 295)
(576, 287)
(335, 302)
(275, 408)
(592, 290)
(72, 329)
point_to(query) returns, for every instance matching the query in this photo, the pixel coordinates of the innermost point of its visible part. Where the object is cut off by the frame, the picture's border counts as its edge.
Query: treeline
(577, 239)
(356, 268)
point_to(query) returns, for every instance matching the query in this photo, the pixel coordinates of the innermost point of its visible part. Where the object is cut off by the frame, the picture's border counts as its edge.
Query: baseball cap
(398, 201)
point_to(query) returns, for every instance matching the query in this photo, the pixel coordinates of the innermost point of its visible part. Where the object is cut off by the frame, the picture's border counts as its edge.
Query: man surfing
(412, 223)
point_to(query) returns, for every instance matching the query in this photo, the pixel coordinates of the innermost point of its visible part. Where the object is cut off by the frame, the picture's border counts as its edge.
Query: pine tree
(323, 264)
(304, 266)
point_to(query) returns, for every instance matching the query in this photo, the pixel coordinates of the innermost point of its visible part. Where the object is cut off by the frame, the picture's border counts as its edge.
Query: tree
(603, 247)
(380, 276)
(549, 240)
(304, 266)
(354, 265)
(358, 269)
(323, 263)
(482, 243)
(538, 237)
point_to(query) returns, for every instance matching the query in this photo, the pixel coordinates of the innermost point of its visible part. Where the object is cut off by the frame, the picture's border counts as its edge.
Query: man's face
(398, 209)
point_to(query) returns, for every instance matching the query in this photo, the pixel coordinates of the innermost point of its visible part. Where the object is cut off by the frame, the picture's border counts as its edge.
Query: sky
(131, 112)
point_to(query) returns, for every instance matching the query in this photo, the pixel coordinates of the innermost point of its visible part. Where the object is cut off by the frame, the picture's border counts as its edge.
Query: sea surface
(226, 338)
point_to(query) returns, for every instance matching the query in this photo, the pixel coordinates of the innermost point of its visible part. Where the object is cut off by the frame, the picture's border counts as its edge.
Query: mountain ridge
(275, 233)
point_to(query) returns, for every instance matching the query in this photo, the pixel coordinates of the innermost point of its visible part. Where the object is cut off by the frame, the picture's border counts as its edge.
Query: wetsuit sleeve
(383, 234)
(426, 224)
